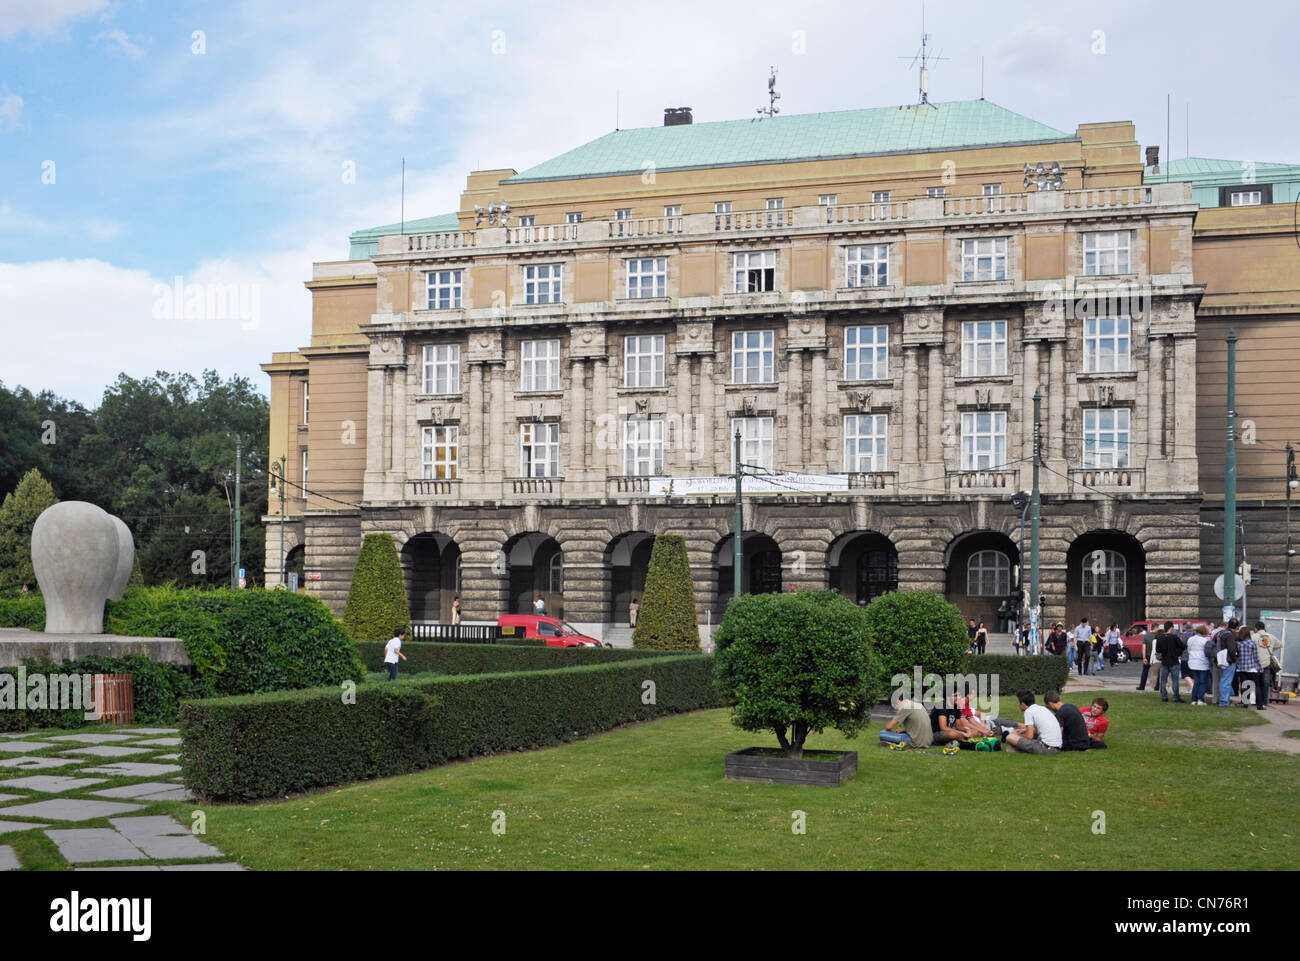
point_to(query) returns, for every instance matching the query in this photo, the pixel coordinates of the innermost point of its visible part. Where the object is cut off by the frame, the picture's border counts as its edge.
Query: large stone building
(870, 297)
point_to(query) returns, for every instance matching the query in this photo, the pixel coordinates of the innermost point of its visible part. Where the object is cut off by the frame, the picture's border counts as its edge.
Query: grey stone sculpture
(82, 556)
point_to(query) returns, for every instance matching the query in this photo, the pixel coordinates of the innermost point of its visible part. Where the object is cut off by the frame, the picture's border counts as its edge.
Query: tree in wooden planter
(667, 620)
(797, 663)
(376, 605)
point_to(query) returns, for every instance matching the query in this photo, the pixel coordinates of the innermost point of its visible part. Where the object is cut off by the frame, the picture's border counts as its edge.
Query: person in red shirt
(1097, 723)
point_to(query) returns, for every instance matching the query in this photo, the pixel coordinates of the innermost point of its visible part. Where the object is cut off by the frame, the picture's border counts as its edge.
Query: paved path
(91, 792)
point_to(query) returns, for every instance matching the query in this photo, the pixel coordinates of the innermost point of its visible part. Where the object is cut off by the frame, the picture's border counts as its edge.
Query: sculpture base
(19, 645)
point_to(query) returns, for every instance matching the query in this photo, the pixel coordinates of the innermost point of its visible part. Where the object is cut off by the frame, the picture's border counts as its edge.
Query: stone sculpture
(82, 556)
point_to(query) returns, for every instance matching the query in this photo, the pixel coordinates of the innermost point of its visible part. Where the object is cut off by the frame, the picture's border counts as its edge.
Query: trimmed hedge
(666, 620)
(916, 628)
(446, 658)
(376, 606)
(269, 745)
(1038, 673)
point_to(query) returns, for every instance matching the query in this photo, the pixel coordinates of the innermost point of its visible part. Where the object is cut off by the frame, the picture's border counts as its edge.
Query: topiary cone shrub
(376, 605)
(911, 629)
(666, 621)
(797, 663)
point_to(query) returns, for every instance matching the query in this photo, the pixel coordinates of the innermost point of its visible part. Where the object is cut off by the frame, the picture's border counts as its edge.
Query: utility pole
(1035, 517)
(1292, 482)
(1230, 485)
(738, 550)
(239, 463)
(280, 485)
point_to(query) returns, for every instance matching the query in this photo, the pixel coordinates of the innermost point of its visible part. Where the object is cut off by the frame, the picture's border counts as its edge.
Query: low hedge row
(1037, 673)
(442, 657)
(269, 745)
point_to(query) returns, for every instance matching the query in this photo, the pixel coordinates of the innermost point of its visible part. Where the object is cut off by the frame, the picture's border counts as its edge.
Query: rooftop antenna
(771, 110)
(981, 78)
(403, 195)
(923, 57)
(616, 96)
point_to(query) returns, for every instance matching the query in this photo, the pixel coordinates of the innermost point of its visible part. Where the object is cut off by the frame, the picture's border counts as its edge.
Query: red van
(554, 631)
(1134, 637)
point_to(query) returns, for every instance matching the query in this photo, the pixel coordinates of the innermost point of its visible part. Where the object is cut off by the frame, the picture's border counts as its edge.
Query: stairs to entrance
(620, 635)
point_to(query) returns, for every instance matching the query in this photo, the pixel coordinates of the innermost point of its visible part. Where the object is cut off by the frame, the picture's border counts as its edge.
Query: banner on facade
(750, 484)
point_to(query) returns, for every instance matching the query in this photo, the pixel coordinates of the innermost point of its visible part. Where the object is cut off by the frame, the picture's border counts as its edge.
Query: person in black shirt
(1169, 649)
(943, 722)
(1074, 730)
(971, 631)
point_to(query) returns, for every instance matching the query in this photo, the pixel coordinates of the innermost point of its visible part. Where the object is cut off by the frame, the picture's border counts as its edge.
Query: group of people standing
(1087, 646)
(1213, 661)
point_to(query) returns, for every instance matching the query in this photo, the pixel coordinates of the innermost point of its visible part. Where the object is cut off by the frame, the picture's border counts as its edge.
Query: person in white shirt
(392, 651)
(1198, 662)
(1039, 734)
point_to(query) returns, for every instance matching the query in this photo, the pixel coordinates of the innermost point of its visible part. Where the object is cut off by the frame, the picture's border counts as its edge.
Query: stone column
(708, 442)
(1059, 391)
(1155, 398)
(796, 440)
(1185, 398)
(400, 417)
(498, 430)
(374, 432)
(575, 468)
(934, 406)
(477, 460)
(911, 409)
(677, 459)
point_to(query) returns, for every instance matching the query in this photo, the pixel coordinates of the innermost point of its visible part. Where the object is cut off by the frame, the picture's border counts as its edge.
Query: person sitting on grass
(943, 723)
(1074, 731)
(1097, 723)
(916, 726)
(1039, 734)
(970, 722)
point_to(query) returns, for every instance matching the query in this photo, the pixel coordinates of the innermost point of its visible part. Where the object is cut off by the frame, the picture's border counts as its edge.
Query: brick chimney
(1153, 157)
(676, 116)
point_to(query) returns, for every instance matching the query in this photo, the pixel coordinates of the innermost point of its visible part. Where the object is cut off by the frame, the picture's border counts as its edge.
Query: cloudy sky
(142, 141)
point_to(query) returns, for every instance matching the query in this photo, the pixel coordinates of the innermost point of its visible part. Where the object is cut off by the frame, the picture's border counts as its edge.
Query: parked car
(554, 631)
(1134, 637)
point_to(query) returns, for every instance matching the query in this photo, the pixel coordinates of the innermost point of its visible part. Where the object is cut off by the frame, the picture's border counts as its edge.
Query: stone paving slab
(150, 730)
(18, 747)
(81, 845)
(163, 837)
(107, 750)
(133, 769)
(52, 783)
(136, 790)
(18, 797)
(93, 738)
(8, 826)
(36, 763)
(171, 794)
(213, 866)
(71, 809)
(168, 757)
(8, 860)
(160, 742)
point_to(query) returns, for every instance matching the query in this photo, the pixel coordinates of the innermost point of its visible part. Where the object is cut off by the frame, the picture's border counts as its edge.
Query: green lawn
(653, 797)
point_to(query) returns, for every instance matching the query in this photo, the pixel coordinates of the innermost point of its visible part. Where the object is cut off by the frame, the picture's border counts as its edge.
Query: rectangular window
(880, 196)
(828, 200)
(722, 207)
(442, 369)
(306, 398)
(983, 348)
(866, 353)
(752, 356)
(575, 218)
(1107, 345)
(983, 440)
(539, 450)
(867, 266)
(623, 213)
(440, 452)
(643, 447)
(991, 190)
(775, 203)
(643, 361)
(755, 442)
(1245, 198)
(755, 271)
(672, 210)
(935, 192)
(647, 277)
(529, 221)
(865, 443)
(984, 258)
(539, 365)
(304, 473)
(1106, 437)
(543, 283)
(1106, 252)
(443, 288)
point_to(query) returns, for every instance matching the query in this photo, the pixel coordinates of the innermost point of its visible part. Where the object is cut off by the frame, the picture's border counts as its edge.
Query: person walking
(1226, 657)
(1198, 663)
(1082, 636)
(1169, 648)
(981, 638)
(1250, 669)
(1004, 612)
(1269, 652)
(1057, 640)
(633, 609)
(971, 630)
(392, 651)
(539, 606)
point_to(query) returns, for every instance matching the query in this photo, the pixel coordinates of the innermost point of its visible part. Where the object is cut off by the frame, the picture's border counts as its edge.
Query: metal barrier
(466, 633)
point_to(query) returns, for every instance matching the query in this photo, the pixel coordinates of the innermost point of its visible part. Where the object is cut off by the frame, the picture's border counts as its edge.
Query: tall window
(1106, 252)
(442, 369)
(643, 447)
(867, 265)
(983, 348)
(443, 288)
(539, 450)
(643, 361)
(983, 440)
(880, 196)
(865, 442)
(755, 271)
(755, 442)
(1107, 344)
(539, 365)
(555, 574)
(866, 352)
(306, 399)
(752, 356)
(440, 450)
(304, 473)
(1105, 574)
(647, 277)
(543, 283)
(1245, 198)
(1106, 437)
(988, 574)
(984, 258)
(828, 200)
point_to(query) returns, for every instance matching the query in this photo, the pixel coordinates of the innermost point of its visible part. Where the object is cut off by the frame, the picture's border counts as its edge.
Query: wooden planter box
(817, 768)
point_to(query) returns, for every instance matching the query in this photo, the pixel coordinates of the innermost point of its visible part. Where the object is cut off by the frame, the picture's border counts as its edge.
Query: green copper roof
(812, 136)
(1204, 170)
(365, 243)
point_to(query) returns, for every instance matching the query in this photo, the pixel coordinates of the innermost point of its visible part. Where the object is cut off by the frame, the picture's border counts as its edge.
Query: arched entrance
(431, 571)
(295, 562)
(1105, 579)
(863, 565)
(982, 572)
(536, 565)
(760, 568)
(628, 559)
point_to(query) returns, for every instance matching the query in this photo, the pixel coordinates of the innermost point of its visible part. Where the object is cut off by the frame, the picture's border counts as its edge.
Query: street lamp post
(1292, 482)
(278, 483)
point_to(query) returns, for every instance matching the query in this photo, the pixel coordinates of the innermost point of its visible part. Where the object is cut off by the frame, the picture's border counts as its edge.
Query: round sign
(1237, 587)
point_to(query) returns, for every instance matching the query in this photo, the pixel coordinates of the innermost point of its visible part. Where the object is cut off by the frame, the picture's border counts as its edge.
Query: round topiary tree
(797, 663)
(667, 620)
(911, 629)
(376, 604)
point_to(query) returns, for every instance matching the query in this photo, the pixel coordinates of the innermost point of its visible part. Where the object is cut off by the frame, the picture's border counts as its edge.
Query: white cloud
(11, 109)
(44, 16)
(116, 41)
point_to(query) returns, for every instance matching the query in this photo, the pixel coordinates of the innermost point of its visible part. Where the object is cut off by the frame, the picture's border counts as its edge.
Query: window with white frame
(555, 573)
(866, 440)
(755, 271)
(1106, 437)
(442, 369)
(775, 203)
(1105, 574)
(988, 574)
(935, 192)
(672, 210)
(440, 452)
(752, 356)
(539, 365)
(647, 277)
(443, 289)
(828, 200)
(1245, 198)
(866, 352)
(528, 221)
(880, 196)
(867, 265)
(306, 401)
(623, 213)
(643, 447)
(990, 190)
(1107, 252)
(643, 360)
(984, 258)
(722, 206)
(1107, 345)
(983, 348)
(983, 440)
(755, 442)
(574, 218)
(543, 283)
(539, 450)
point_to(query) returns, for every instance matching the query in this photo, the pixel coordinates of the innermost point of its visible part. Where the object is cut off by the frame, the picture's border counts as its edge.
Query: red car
(1134, 637)
(555, 631)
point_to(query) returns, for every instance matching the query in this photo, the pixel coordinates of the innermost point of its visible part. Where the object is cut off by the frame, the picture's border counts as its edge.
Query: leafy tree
(913, 629)
(796, 663)
(667, 620)
(195, 522)
(18, 515)
(376, 604)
